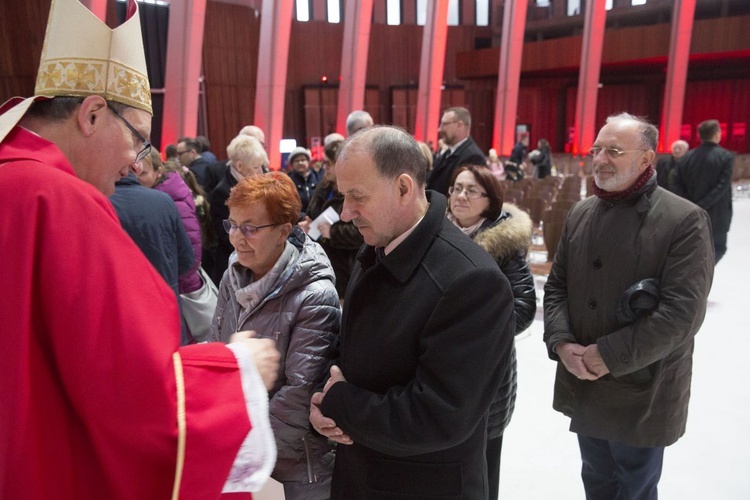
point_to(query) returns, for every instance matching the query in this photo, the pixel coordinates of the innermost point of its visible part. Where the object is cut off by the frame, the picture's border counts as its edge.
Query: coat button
(597, 264)
(625, 359)
(592, 304)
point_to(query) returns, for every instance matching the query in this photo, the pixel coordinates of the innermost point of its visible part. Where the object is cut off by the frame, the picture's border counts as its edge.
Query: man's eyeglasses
(471, 193)
(611, 153)
(146, 149)
(247, 230)
(445, 124)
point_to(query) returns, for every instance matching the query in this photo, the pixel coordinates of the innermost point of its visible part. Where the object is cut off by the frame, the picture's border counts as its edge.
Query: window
(638, 2)
(303, 10)
(483, 12)
(453, 15)
(393, 12)
(574, 7)
(421, 12)
(334, 11)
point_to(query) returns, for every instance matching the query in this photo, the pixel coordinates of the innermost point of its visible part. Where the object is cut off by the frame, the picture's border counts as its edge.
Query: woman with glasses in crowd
(280, 284)
(476, 208)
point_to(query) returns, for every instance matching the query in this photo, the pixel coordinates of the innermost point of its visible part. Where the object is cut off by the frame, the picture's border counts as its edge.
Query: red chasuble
(95, 393)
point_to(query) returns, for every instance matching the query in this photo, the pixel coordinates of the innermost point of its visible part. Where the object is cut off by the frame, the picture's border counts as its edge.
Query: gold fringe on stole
(181, 424)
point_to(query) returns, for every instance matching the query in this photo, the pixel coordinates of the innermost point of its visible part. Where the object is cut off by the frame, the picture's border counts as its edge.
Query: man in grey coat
(624, 366)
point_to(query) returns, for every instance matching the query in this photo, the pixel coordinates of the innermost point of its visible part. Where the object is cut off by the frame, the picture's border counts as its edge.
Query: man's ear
(90, 114)
(405, 185)
(648, 158)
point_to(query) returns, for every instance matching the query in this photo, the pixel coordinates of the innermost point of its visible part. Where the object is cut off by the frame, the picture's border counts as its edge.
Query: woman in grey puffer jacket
(281, 285)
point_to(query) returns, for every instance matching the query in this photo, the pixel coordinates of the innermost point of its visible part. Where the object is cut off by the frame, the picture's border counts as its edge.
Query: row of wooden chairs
(548, 202)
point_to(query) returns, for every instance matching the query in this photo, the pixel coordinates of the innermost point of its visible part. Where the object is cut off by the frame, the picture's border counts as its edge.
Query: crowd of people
(346, 327)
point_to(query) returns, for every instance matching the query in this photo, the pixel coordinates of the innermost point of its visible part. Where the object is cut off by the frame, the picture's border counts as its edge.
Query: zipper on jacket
(311, 478)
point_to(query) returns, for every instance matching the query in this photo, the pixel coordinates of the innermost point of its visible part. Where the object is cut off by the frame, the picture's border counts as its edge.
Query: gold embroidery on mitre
(82, 77)
(70, 77)
(128, 86)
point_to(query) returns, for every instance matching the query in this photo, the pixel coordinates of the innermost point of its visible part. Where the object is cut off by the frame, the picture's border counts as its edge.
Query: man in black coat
(704, 176)
(455, 127)
(426, 335)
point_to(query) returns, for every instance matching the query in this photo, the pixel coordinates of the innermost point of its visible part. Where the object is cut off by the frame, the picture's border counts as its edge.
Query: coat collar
(405, 258)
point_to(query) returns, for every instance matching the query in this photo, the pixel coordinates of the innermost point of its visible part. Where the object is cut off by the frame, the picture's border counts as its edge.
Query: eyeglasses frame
(229, 226)
(146, 149)
(452, 190)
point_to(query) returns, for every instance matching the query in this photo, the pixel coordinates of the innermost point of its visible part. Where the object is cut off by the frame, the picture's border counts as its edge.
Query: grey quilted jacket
(297, 305)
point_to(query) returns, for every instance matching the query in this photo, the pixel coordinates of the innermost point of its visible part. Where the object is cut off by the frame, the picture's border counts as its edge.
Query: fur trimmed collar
(508, 235)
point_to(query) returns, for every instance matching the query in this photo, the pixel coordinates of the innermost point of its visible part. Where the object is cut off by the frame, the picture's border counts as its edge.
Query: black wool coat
(704, 176)
(467, 153)
(426, 333)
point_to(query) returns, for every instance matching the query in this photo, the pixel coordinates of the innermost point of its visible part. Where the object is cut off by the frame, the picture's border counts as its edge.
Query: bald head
(679, 148)
(357, 120)
(253, 131)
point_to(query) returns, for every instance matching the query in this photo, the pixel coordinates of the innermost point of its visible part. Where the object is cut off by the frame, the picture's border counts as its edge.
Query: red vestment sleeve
(88, 394)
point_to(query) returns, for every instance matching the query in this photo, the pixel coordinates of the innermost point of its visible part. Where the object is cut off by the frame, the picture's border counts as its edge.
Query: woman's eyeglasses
(471, 193)
(247, 230)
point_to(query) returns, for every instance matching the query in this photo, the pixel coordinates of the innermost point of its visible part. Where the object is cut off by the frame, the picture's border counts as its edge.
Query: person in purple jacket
(171, 183)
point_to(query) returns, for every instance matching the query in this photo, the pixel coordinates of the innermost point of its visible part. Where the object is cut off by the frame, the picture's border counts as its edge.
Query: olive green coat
(605, 248)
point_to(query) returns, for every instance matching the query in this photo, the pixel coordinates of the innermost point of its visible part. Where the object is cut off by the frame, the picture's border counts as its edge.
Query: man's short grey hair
(392, 149)
(357, 120)
(649, 134)
(462, 114)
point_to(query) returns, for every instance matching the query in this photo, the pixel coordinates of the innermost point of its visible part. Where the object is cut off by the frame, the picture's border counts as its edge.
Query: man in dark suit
(704, 176)
(455, 130)
(409, 397)
(189, 154)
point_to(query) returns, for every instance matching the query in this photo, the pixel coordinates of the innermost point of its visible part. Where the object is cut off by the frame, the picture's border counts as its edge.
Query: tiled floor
(711, 462)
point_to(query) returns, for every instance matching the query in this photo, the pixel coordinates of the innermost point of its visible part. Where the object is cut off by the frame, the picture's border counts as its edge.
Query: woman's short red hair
(274, 189)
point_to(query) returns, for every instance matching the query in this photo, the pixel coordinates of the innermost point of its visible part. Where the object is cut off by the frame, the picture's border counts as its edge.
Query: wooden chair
(554, 219)
(514, 196)
(536, 208)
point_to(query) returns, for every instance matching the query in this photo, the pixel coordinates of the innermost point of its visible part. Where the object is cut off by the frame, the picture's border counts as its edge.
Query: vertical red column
(588, 76)
(431, 66)
(679, 56)
(182, 81)
(354, 61)
(509, 76)
(97, 7)
(273, 55)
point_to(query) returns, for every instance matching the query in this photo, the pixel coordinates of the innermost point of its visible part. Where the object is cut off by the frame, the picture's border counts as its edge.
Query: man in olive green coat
(625, 382)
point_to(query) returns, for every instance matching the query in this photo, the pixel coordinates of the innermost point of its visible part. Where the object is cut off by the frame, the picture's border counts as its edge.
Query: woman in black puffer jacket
(476, 207)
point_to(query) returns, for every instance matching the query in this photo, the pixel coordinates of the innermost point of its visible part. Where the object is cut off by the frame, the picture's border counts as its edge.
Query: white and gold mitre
(82, 56)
